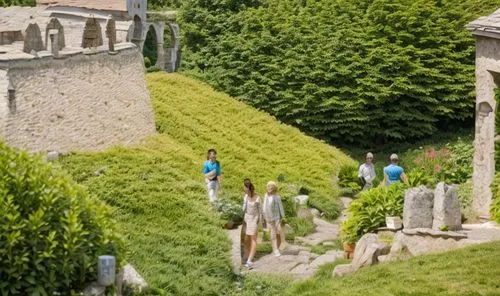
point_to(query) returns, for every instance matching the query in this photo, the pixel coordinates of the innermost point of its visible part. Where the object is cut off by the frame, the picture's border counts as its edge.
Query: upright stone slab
(111, 34)
(446, 208)
(366, 252)
(92, 34)
(417, 212)
(33, 39)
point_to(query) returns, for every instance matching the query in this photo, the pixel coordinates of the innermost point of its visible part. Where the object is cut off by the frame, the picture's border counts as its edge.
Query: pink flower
(437, 168)
(418, 160)
(432, 155)
(444, 151)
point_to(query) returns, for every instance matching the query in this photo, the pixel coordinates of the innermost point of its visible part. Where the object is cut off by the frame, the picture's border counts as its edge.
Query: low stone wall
(86, 101)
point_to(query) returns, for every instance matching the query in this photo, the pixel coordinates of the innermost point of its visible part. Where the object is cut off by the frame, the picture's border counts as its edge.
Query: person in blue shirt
(393, 172)
(212, 173)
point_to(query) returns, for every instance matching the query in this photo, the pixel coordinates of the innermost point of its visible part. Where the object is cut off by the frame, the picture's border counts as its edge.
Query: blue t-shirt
(393, 173)
(209, 166)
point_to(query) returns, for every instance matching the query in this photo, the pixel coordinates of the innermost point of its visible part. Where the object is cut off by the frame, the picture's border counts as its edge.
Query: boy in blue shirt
(212, 172)
(393, 172)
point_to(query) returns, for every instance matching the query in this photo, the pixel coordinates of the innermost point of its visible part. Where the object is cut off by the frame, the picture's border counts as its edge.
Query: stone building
(486, 31)
(72, 73)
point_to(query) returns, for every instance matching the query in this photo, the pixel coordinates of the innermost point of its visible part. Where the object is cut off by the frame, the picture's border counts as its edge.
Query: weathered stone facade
(486, 30)
(87, 101)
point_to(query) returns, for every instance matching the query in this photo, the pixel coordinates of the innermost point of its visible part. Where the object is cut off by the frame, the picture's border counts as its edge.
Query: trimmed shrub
(368, 212)
(51, 231)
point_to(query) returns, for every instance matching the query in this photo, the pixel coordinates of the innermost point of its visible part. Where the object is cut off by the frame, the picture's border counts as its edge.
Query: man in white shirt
(366, 172)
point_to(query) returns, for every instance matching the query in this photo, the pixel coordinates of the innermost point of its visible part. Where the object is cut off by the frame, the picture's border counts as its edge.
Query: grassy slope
(471, 271)
(157, 192)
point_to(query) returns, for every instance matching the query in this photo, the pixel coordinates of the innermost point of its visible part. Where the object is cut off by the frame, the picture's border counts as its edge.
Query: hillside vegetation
(158, 195)
(358, 71)
(470, 271)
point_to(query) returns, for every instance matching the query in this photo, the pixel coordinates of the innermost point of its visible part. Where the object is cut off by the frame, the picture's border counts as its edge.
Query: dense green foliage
(348, 177)
(157, 191)
(369, 210)
(469, 271)
(345, 71)
(5, 3)
(495, 205)
(51, 231)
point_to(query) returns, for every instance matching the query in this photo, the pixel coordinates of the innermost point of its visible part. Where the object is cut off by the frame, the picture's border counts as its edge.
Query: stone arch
(54, 24)
(92, 34)
(172, 51)
(150, 47)
(33, 39)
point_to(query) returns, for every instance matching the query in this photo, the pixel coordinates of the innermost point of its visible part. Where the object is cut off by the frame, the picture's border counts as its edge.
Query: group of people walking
(270, 210)
(392, 173)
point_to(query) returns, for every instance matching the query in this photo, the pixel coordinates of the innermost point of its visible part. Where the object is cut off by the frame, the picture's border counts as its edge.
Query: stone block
(316, 213)
(301, 199)
(132, 279)
(417, 211)
(94, 289)
(342, 270)
(446, 211)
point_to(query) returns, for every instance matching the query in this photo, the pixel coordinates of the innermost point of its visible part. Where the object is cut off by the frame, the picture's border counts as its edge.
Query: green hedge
(344, 71)
(51, 231)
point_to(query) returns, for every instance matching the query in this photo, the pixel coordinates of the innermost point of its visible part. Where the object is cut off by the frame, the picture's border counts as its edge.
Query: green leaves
(343, 71)
(368, 212)
(48, 225)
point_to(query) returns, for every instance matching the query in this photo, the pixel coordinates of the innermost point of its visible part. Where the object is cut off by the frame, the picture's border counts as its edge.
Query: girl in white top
(253, 211)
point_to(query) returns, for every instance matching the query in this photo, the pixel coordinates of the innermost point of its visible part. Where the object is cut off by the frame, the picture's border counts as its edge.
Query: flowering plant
(451, 164)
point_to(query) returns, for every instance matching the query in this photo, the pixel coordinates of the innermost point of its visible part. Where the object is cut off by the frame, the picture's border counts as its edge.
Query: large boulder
(132, 279)
(446, 210)
(368, 248)
(417, 211)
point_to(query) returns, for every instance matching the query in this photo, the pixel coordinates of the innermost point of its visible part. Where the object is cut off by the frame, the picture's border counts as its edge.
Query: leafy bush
(348, 177)
(51, 231)
(417, 178)
(5, 3)
(368, 212)
(451, 164)
(229, 210)
(337, 69)
(495, 205)
(153, 69)
(329, 207)
(147, 62)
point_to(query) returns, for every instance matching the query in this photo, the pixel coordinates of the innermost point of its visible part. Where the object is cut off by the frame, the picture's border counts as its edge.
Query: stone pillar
(160, 59)
(54, 42)
(484, 141)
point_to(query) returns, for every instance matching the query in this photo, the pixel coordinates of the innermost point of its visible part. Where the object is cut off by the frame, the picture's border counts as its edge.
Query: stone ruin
(57, 26)
(432, 223)
(486, 31)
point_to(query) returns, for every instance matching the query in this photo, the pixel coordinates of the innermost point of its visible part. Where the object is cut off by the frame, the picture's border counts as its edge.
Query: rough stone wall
(84, 102)
(487, 67)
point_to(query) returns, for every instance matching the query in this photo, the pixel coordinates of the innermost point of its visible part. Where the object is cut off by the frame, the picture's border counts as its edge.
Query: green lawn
(471, 271)
(157, 192)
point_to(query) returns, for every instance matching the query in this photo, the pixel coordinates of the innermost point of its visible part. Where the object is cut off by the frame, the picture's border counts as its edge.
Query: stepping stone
(324, 259)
